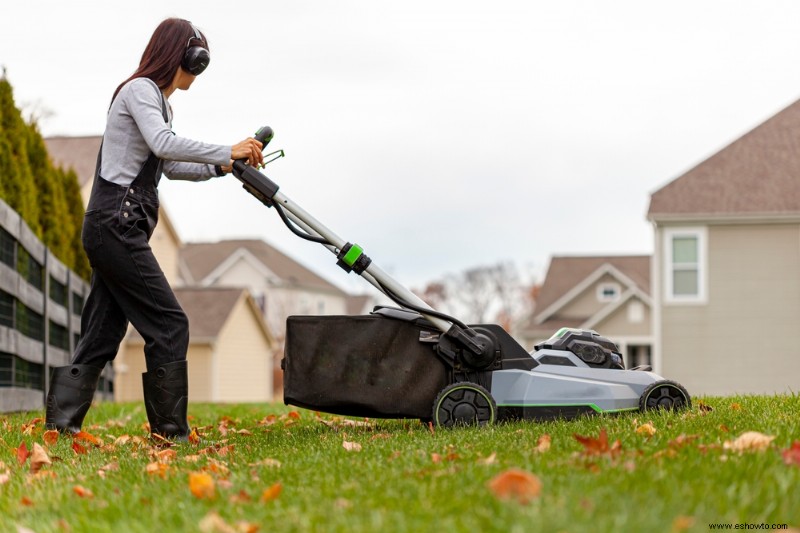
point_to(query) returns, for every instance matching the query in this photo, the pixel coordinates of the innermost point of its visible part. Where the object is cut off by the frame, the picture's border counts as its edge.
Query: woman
(127, 283)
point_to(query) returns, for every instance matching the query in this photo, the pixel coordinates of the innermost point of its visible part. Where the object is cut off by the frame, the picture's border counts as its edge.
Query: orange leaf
(543, 444)
(83, 492)
(271, 493)
(165, 456)
(648, 429)
(23, 453)
(202, 485)
(78, 448)
(294, 414)
(194, 438)
(436, 458)
(27, 429)
(157, 469)
(27, 502)
(88, 437)
(516, 485)
(599, 445)
(39, 458)
(50, 437)
(791, 456)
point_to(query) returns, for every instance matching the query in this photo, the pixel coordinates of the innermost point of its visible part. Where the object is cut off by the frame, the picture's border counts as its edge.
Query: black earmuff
(196, 58)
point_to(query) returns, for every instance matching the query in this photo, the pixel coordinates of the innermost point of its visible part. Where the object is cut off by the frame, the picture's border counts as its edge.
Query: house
(227, 354)
(280, 285)
(80, 153)
(726, 266)
(608, 294)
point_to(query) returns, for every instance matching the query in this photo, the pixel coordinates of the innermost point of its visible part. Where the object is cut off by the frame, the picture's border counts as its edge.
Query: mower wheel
(465, 404)
(665, 394)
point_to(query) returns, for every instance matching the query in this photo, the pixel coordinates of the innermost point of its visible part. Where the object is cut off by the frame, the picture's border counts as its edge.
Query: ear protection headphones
(196, 58)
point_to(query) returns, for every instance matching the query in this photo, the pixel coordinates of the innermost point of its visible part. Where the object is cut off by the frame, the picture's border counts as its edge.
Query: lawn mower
(412, 361)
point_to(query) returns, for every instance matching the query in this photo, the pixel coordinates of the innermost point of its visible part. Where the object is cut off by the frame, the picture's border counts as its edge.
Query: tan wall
(587, 304)
(618, 323)
(130, 364)
(243, 368)
(744, 340)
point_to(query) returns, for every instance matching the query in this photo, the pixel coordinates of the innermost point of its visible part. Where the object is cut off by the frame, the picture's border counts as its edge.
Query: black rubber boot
(166, 397)
(70, 395)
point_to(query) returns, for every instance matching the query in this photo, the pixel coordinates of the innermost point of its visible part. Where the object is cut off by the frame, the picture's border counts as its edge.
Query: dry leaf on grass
(157, 469)
(5, 477)
(77, 448)
(647, 429)
(749, 441)
(82, 491)
(517, 485)
(599, 445)
(23, 453)
(351, 446)
(492, 459)
(791, 455)
(271, 493)
(39, 458)
(202, 485)
(50, 437)
(88, 437)
(543, 444)
(213, 523)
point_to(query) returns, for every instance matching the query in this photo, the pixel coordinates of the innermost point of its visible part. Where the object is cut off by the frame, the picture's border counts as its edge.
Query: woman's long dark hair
(163, 54)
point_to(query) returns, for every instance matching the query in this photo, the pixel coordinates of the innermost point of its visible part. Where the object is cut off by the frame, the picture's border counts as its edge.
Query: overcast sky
(439, 135)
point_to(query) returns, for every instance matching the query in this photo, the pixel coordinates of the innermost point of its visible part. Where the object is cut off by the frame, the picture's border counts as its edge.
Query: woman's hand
(249, 149)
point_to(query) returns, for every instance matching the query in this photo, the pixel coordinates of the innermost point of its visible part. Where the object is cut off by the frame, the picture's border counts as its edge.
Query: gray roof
(756, 175)
(202, 258)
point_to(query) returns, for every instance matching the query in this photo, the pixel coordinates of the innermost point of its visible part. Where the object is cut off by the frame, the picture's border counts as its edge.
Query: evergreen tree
(74, 203)
(15, 172)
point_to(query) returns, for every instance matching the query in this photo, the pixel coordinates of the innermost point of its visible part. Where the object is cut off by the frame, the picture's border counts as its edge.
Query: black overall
(127, 282)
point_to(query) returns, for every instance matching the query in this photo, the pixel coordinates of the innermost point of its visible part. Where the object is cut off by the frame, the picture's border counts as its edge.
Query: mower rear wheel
(463, 404)
(665, 394)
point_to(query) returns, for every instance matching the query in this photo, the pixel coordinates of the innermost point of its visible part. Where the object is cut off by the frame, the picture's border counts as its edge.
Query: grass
(289, 471)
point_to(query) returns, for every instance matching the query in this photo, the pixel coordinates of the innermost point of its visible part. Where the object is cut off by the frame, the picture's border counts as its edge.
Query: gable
(755, 176)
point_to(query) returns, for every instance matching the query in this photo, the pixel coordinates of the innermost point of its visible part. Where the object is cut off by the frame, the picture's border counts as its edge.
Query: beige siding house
(726, 266)
(208, 343)
(228, 352)
(280, 285)
(608, 294)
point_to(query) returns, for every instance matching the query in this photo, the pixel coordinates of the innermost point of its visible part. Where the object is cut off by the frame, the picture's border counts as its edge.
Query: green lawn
(271, 468)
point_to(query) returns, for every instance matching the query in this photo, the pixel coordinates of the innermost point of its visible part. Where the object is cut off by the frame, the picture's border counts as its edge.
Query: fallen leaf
(244, 432)
(122, 440)
(647, 430)
(240, 497)
(682, 523)
(749, 441)
(791, 455)
(27, 429)
(23, 453)
(492, 459)
(736, 406)
(213, 523)
(83, 492)
(271, 493)
(599, 445)
(351, 446)
(194, 438)
(682, 440)
(50, 437)
(272, 463)
(543, 444)
(27, 502)
(88, 437)
(704, 407)
(202, 485)
(165, 456)
(39, 458)
(157, 469)
(4, 478)
(516, 485)
(246, 527)
(78, 448)
(436, 458)
(294, 414)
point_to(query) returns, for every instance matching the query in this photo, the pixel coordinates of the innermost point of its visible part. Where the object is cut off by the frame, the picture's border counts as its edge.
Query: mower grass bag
(371, 365)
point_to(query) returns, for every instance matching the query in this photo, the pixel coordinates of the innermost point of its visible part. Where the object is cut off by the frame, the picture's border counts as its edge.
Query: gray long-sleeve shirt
(136, 127)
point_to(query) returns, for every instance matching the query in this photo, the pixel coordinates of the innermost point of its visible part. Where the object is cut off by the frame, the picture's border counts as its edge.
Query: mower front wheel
(465, 404)
(665, 394)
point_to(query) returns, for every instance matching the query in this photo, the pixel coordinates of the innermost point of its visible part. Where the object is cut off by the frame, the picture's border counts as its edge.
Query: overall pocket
(91, 235)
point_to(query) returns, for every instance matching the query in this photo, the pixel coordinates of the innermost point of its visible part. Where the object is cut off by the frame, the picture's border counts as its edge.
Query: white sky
(438, 134)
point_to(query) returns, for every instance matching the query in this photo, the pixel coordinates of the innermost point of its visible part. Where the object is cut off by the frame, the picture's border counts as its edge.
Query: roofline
(575, 291)
(725, 218)
(609, 310)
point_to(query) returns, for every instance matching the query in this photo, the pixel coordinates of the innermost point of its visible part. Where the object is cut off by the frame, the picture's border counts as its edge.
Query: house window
(685, 265)
(608, 292)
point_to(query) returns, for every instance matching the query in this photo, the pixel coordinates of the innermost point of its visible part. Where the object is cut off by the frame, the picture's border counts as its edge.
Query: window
(59, 336)
(6, 310)
(7, 244)
(608, 292)
(29, 269)
(29, 322)
(17, 372)
(685, 271)
(77, 303)
(58, 292)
